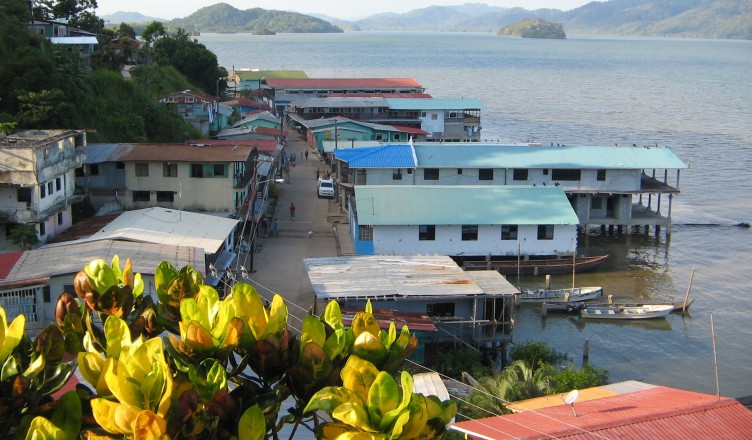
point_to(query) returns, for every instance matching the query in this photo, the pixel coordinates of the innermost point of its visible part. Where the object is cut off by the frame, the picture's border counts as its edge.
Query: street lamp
(218, 80)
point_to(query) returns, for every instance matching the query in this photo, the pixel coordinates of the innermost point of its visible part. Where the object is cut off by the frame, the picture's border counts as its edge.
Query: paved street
(278, 261)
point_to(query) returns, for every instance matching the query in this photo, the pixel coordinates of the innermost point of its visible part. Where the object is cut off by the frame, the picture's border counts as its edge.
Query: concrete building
(37, 180)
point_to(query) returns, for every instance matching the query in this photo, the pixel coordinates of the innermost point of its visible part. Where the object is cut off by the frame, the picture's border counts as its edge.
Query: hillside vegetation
(225, 18)
(534, 28)
(730, 19)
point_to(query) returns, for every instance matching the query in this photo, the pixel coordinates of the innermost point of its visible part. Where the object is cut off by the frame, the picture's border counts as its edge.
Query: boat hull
(576, 294)
(649, 311)
(538, 267)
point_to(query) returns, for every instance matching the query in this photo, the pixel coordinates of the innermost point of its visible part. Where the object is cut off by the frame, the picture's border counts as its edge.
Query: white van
(326, 188)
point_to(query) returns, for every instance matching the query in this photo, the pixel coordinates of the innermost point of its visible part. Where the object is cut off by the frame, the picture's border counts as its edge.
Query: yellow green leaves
(208, 326)
(141, 382)
(10, 335)
(252, 424)
(64, 424)
(260, 321)
(370, 405)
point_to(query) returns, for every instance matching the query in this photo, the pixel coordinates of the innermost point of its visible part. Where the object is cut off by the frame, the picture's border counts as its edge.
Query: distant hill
(686, 18)
(225, 18)
(534, 28)
(129, 17)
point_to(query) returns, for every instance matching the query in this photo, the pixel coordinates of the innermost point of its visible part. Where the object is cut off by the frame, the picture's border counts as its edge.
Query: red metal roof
(413, 320)
(85, 228)
(201, 151)
(656, 413)
(412, 130)
(7, 261)
(180, 95)
(262, 145)
(342, 83)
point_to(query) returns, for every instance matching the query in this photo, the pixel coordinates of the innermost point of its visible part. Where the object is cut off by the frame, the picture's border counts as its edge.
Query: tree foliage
(191, 58)
(24, 235)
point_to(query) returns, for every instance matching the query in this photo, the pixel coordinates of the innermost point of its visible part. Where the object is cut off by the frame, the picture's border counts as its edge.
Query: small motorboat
(560, 295)
(645, 311)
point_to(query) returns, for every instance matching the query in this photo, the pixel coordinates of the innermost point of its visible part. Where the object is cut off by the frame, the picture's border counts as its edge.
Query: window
(49, 187)
(459, 171)
(142, 169)
(165, 196)
(469, 232)
(596, 203)
(197, 170)
(59, 218)
(440, 309)
(397, 136)
(141, 196)
(485, 174)
(46, 294)
(42, 191)
(545, 171)
(601, 175)
(545, 232)
(23, 195)
(431, 174)
(434, 116)
(58, 183)
(94, 169)
(169, 169)
(42, 228)
(397, 175)
(519, 174)
(219, 170)
(120, 165)
(509, 232)
(565, 175)
(427, 232)
(409, 171)
(365, 233)
(80, 172)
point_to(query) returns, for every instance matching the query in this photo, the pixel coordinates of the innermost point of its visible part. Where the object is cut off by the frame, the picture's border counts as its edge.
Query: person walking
(275, 228)
(292, 211)
(306, 154)
(318, 174)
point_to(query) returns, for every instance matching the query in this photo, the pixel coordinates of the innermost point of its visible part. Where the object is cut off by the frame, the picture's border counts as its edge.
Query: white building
(37, 180)
(463, 220)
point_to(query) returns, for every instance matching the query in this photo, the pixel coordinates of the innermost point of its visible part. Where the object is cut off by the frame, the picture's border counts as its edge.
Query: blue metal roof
(434, 104)
(462, 205)
(384, 156)
(477, 155)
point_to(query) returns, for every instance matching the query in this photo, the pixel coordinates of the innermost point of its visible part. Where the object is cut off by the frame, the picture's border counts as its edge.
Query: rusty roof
(7, 261)
(413, 320)
(344, 83)
(658, 412)
(378, 95)
(262, 145)
(202, 151)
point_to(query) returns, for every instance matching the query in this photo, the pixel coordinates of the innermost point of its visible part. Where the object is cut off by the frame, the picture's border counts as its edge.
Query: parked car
(326, 188)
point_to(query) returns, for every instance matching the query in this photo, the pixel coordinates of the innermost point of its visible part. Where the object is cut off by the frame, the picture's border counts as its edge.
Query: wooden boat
(678, 306)
(560, 295)
(538, 267)
(645, 311)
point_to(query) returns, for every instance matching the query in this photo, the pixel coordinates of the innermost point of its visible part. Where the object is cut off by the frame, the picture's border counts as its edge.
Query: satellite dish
(571, 397)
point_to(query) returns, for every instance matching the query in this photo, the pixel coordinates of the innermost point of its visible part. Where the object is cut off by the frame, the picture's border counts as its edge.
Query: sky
(344, 9)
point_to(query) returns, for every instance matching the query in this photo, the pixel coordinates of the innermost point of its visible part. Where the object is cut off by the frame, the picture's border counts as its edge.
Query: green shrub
(536, 353)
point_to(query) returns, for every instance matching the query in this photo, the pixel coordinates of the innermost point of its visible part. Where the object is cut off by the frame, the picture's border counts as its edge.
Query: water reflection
(660, 324)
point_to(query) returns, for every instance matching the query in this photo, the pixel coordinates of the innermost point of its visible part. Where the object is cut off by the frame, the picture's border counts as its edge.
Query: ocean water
(692, 95)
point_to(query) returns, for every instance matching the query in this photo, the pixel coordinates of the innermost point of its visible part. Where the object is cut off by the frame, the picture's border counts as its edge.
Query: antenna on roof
(570, 399)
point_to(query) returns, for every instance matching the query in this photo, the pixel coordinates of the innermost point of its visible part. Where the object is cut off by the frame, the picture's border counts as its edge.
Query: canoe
(560, 295)
(677, 305)
(538, 267)
(562, 307)
(645, 311)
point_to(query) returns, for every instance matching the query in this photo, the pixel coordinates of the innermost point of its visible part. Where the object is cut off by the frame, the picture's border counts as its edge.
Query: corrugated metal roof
(169, 227)
(202, 151)
(71, 257)
(492, 282)
(97, 153)
(74, 40)
(345, 102)
(389, 277)
(435, 104)
(392, 156)
(659, 412)
(462, 205)
(379, 95)
(342, 83)
(477, 155)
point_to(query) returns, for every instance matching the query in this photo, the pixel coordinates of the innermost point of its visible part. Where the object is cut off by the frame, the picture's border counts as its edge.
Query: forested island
(534, 28)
